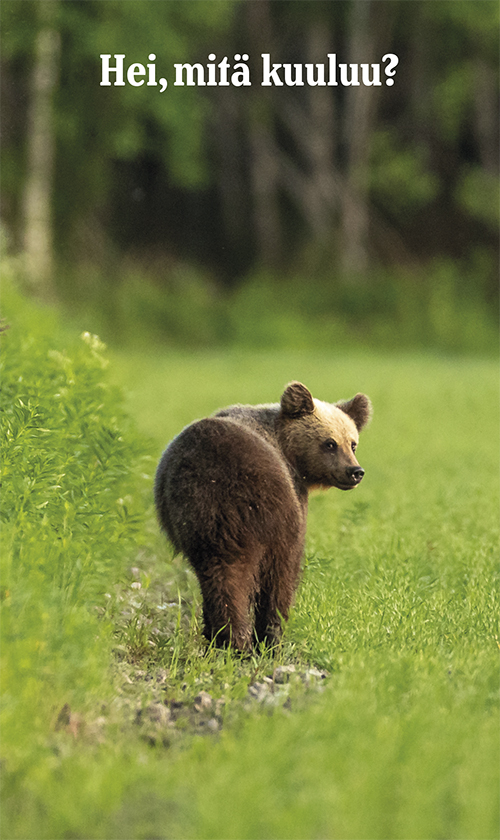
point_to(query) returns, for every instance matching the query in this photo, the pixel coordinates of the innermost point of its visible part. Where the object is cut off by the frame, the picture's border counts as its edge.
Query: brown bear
(231, 493)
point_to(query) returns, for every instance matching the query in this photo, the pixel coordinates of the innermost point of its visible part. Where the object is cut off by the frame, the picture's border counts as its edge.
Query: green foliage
(479, 193)
(172, 32)
(171, 173)
(185, 312)
(443, 307)
(400, 176)
(119, 124)
(72, 510)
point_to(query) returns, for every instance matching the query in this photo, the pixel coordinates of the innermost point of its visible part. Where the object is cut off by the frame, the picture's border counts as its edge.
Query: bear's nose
(355, 473)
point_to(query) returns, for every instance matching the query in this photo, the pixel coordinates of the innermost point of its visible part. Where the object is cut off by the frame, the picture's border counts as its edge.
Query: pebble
(203, 701)
(282, 673)
(154, 713)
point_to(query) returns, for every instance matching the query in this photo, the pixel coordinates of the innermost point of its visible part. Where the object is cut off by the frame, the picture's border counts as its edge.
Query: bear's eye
(330, 444)
(353, 446)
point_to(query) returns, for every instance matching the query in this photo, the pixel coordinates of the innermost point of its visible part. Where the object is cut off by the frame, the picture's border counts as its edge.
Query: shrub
(73, 509)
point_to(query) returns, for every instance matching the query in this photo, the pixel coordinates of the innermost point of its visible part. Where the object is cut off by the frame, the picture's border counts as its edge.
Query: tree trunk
(311, 182)
(486, 116)
(322, 135)
(359, 119)
(263, 153)
(40, 156)
(231, 182)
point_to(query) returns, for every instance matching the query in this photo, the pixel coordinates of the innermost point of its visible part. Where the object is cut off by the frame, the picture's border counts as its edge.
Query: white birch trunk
(38, 244)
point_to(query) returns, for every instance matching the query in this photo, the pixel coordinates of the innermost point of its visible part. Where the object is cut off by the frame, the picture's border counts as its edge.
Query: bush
(443, 306)
(73, 509)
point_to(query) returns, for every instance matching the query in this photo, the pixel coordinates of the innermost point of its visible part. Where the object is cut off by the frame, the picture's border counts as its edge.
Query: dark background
(264, 215)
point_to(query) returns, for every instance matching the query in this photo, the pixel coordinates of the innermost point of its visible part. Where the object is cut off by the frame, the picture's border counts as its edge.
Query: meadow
(398, 604)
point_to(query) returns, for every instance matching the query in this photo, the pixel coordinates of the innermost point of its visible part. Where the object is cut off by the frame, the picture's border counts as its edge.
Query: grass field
(398, 603)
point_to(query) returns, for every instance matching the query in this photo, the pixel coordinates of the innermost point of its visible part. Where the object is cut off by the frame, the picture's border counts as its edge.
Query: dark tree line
(337, 178)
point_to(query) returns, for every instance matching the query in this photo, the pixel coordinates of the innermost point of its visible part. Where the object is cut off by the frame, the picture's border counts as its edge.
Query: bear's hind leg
(272, 606)
(228, 591)
(268, 620)
(271, 613)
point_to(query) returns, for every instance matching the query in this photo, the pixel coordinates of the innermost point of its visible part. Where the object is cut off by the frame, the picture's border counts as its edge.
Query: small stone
(282, 673)
(161, 676)
(219, 705)
(313, 674)
(155, 713)
(258, 691)
(202, 701)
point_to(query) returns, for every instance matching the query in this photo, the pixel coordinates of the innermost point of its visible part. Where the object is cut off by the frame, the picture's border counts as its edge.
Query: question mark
(390, 70)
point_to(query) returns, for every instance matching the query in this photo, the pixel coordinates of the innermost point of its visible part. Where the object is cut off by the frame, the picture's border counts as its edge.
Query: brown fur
(231, 493)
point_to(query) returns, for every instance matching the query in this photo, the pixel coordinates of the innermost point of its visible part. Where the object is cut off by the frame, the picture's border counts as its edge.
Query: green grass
(399, 602)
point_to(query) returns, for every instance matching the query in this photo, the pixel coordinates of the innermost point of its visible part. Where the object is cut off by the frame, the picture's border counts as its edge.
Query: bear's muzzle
(353, 476)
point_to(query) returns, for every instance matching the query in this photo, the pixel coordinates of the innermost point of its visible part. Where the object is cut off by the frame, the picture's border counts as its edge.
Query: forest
(257, 213)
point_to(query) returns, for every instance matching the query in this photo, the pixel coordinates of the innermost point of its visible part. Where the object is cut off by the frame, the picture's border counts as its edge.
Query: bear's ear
(296, 400)
(359, 409)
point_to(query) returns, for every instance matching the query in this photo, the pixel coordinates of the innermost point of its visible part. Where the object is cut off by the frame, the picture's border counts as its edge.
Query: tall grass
(72, 511)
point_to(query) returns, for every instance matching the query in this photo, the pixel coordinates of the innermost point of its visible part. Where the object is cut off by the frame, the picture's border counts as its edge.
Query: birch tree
(38, 238)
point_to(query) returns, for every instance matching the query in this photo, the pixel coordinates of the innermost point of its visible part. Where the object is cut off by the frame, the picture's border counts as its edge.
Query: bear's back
(259, 418)
(223, 487)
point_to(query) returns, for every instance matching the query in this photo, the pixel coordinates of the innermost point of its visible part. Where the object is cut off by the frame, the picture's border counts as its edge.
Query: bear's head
(319, 439)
